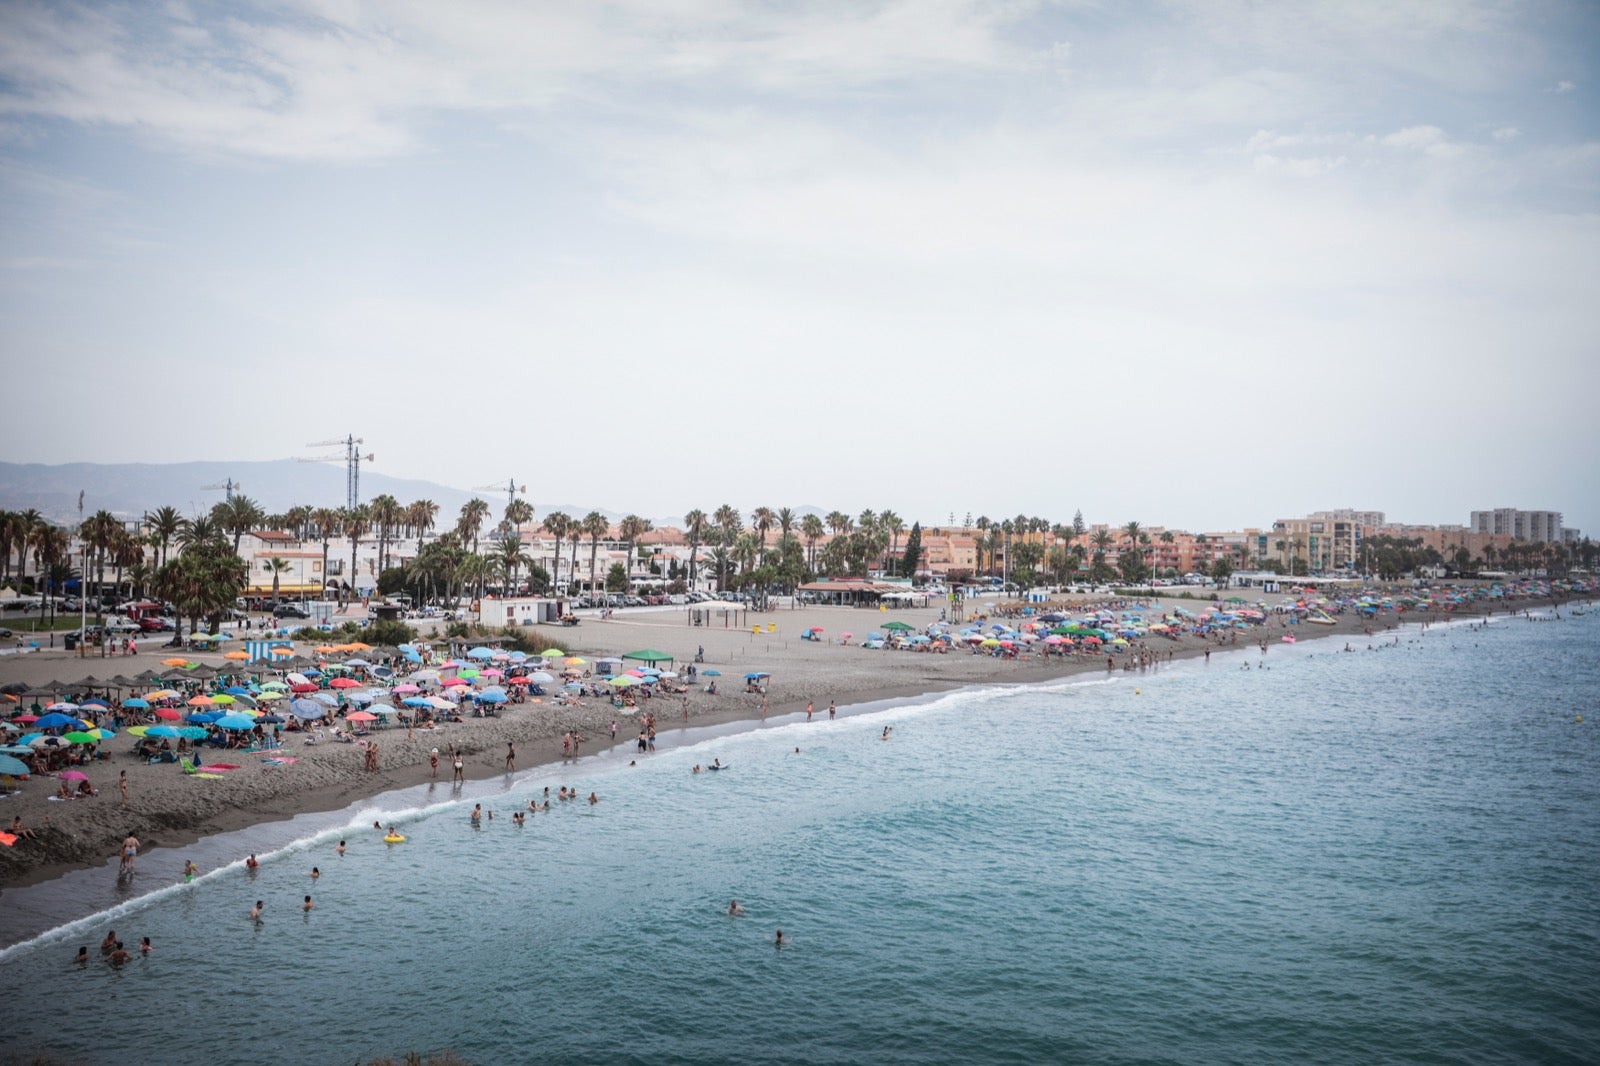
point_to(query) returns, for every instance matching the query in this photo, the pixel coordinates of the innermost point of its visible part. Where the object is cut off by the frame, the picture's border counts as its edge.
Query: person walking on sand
(808, 710)
(433, 763)
(122, 788)
(460, 772)
(511, 756)
(130, 853)
(831, 709)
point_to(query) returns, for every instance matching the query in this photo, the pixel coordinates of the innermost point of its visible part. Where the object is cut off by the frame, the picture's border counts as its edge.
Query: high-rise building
(1541, 527)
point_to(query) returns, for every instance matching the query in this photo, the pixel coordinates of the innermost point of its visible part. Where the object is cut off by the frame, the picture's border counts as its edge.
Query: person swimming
(734, 910)
(255, 912)
(340, 848)
(250, 863)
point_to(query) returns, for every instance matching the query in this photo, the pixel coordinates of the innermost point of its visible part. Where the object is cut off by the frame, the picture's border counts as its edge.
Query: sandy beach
(167, 808)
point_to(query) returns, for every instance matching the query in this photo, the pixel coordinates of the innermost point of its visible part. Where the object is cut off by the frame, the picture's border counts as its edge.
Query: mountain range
(128, 490)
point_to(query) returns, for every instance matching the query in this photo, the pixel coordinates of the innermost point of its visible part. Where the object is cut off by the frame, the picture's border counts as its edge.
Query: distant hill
(128, 490)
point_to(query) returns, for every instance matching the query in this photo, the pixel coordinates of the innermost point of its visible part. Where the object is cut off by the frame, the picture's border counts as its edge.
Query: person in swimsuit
(130, 852)
(109, 944)
(734, 910)
(144, 946)
(251, 863)
(189, 870)
(306, 906)
(255, 912)
(83, 955)
(477, 813)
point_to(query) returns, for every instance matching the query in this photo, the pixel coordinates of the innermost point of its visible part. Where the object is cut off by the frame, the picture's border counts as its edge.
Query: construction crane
(352, 460)
(510, 488)
(230, 487)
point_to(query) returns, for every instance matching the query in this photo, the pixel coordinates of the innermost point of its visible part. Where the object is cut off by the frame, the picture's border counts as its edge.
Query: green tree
(812, 529)
(595, 526)
(470, 522)
(354, 523)
(164, 523)
(511, 558)
(277, 567)
(912, 559)
(1222, 572)
(560, 525)
(617, 578)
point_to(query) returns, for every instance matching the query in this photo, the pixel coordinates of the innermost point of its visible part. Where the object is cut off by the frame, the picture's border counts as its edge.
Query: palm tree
(729, 524)
(277, 567)
(631, 529)
(761, 520)
(894, 525)
(694, 527)
(595, 525)
(126, 551)
(470, 523)
(386, 514)
(510, 558)
(420, 516)
(812, 529)
(745, 551)
(164, 523)
(354, 523)
(518, 514)
(298, 521)
(325, 523)
(558, 524)
(786, 523)
(238, 516)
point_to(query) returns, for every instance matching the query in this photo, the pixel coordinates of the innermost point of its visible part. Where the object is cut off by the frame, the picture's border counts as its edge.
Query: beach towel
(217, 767)
(7, 839)
(202, 773)
(279, 760)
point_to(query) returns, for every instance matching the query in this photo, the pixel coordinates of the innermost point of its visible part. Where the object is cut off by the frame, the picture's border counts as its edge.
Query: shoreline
(872, 678)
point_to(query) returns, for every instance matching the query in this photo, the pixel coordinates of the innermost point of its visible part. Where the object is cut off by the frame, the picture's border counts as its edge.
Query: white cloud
(1565, 86)
(1506, 133)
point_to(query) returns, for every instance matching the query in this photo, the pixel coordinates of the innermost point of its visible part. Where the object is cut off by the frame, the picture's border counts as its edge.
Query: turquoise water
(1378, 856)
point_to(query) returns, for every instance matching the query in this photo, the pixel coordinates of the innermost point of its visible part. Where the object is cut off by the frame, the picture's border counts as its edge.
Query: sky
(1200, 265)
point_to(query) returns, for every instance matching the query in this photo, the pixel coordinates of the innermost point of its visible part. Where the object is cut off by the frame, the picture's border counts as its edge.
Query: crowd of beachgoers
(102, 750)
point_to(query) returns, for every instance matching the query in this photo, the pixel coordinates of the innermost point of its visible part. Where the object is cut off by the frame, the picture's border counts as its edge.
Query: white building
(1541, 527)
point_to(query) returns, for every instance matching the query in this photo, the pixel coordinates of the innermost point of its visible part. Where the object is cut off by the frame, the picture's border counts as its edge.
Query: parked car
(157, 624)
(290, 610)
(6, 634)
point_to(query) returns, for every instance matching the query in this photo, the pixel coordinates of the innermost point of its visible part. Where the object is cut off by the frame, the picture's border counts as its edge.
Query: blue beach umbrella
(307, 709)
(13, 767)
(236, 690)
(492, 697)
(416, 701)
(206, 717)
(136, 704)
(55, 720)
(479, 653)
(236, 722)
(165, 731)
(711, 673)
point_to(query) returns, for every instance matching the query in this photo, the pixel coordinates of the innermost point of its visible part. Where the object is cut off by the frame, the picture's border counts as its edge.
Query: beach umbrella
(439, 703)
(55, 720)
(539, 677)
(236, 690)
(492, 672)
(72, 775)
(270, 694)
(307, 709)
(493, 696)
(49, 742)
(96, 702)
(415, 701)
(479, 653)
(574, 660)
(304, 686)
(222, 699)
(623, 682)
(244, 701)
(200, 701)
(327, 699)
(359, 697)
(360, 716)
(236, 656)
(756, 675)
(205, 717)
(270, 719)
(352, 663)
(405, 688)
(174, 662)
(344, 682)
(552, 653)
(453, 682)
(79, 737)
(13, 767)
(235, 722)
(162, 731)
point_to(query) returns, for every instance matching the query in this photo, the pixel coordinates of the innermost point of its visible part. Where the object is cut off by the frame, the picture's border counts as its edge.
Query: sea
(1305, 855)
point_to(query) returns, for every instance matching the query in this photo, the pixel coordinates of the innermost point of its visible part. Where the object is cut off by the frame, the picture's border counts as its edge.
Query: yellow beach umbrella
(271, 694)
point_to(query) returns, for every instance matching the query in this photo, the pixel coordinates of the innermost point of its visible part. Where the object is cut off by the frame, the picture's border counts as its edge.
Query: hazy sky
(1197, 264)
